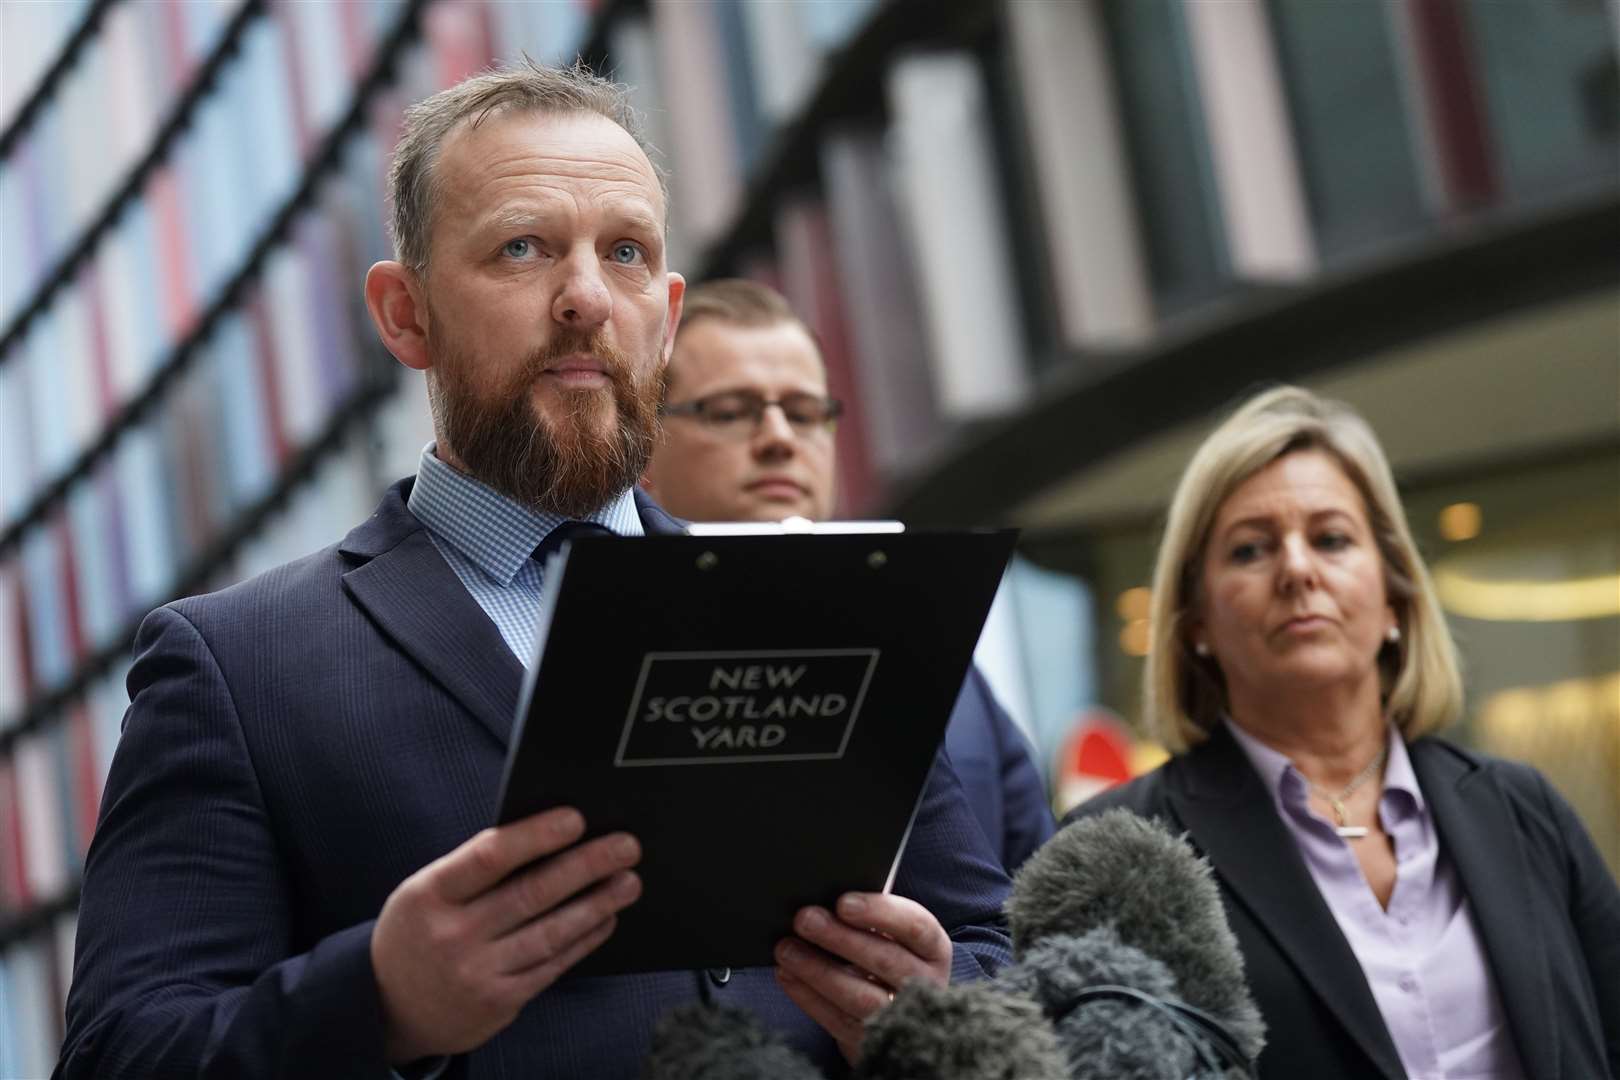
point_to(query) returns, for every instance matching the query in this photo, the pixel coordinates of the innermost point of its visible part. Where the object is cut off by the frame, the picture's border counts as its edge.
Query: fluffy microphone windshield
(1120, 870)
(1120, 1040)
(969, 1031)
(704, 1042)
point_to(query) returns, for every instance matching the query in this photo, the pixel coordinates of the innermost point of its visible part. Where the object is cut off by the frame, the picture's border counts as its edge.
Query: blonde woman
(1405, 907)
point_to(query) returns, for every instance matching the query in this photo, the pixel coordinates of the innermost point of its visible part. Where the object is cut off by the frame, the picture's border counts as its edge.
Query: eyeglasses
(737, 413)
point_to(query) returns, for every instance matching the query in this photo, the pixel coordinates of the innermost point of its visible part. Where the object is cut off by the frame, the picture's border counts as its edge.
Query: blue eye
(521, 248)
(627, 253)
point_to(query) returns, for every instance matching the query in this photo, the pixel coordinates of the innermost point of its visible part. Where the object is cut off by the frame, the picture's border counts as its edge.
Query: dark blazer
(991, 758)
(298, 744)
(1547, 909)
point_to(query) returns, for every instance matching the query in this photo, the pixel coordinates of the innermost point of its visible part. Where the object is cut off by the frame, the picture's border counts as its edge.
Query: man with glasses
(748, 430)
(748, 436)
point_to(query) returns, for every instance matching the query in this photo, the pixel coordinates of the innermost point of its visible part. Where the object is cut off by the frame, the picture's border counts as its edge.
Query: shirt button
(1407, 983)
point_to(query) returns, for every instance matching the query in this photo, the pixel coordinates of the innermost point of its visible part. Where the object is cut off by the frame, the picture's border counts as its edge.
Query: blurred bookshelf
(1035, 239)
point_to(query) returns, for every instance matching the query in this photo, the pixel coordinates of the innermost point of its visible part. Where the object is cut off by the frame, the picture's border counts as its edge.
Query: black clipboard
(760, 710)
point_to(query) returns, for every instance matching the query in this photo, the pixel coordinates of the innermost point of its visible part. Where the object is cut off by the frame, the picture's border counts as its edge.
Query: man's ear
(399, 310)
(672, 322)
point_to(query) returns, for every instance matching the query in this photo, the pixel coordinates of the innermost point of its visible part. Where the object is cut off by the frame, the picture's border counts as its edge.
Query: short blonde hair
(1184, 695)
(738, 301)
(524, 86)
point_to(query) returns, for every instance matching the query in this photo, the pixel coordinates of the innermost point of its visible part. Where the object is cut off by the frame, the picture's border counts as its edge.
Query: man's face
(549, 311)
(747, 473)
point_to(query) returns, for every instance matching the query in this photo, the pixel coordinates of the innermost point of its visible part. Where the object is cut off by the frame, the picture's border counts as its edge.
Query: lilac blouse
(1423, 957)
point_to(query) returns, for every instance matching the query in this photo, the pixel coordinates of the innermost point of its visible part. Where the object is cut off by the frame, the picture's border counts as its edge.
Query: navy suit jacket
(992, 760)
(298, 744)
(1547, 909)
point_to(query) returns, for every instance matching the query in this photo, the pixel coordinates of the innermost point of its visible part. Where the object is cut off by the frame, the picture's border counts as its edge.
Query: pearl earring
(1201, 649)
(1393, 635)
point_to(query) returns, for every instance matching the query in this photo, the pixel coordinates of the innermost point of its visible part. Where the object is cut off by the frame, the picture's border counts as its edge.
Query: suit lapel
(1219, 799)
(654, 518)
(1482, 840)
(414, 597)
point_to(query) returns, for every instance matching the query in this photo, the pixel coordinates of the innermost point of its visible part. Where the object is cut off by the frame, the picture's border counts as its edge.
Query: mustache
(570, 343)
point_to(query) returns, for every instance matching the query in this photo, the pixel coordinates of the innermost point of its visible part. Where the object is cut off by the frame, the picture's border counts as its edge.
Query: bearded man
(293, 874)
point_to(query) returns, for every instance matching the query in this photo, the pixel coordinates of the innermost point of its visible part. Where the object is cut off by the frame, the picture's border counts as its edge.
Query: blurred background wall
(1045, 243)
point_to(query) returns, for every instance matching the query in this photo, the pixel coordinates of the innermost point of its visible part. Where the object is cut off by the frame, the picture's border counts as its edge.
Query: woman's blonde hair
(1184, 694)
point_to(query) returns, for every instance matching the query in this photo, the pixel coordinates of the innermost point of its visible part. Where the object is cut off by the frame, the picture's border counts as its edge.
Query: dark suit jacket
(992, 760)
(1547, 909)
(296, 746)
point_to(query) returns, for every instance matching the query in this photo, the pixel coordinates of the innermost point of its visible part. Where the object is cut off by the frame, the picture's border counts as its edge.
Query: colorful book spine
(49, 648)
(96, 593)
(459, 40)
(14, 679)
(741, 82)
(786, 61)
(18, 445)
(879, 289)
(67, 585)
(1447, 105)
(707, 183)
(946, 171)
(108, 701)
(15, 893)
(40, 803)
(80, 407)
(1088, 213)
(635, 62)
(284, 294)
(1245, 111)
(810, 275)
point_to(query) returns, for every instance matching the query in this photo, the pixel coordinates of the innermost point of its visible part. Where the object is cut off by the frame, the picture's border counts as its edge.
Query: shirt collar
(495, 533)
(1274, 766)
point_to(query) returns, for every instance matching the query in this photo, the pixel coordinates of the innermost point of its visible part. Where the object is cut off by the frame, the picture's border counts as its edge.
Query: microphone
(1125, 873)
(1125, 970)
(1105, 1035)
(967, 1031)
(720, 1042)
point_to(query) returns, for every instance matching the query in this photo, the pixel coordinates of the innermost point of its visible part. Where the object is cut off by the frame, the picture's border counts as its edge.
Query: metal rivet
(708, 561)
(877, 560)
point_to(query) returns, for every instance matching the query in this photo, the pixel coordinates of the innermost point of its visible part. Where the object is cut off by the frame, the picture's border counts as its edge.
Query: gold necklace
(1350, 832)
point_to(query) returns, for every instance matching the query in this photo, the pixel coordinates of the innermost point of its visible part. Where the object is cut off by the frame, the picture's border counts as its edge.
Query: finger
(526, 984)
(485, 860)
(537, 890)
(888, 961)
(845, 1029)
(845, 988)
(556, 933)
(901, 919)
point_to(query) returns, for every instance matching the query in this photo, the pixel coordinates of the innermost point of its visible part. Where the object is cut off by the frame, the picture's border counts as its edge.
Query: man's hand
(842, 969)
(463, 944)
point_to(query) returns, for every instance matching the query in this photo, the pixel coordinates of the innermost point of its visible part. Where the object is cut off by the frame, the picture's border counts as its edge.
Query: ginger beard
(572, 462)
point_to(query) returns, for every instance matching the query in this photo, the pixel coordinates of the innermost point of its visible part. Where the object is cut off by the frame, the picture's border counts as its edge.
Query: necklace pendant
(1351, 832)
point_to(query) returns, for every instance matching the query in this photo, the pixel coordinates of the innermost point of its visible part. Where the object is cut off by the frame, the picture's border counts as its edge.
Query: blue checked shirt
(487, 539)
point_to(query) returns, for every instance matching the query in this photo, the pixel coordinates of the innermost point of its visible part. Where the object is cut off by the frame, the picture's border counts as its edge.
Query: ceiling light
(1460, 521)
(1134, 603)
(1528, 601)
